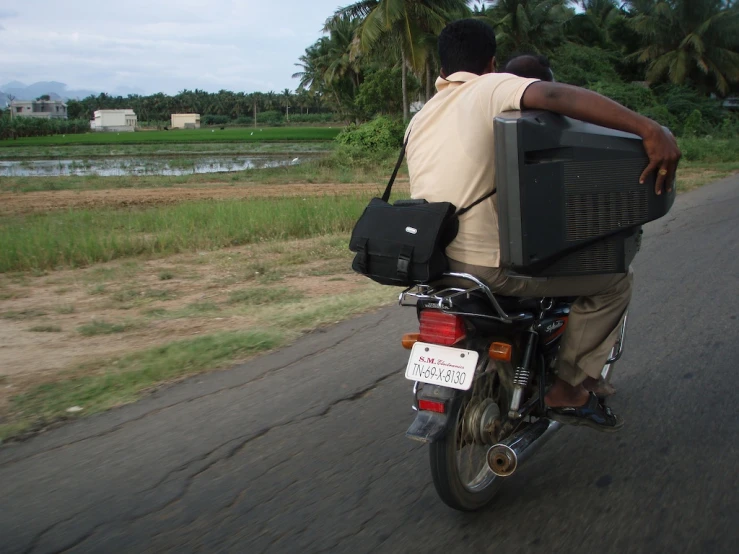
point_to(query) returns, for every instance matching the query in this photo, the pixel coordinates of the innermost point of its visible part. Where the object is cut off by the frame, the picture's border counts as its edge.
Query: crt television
(569, 197)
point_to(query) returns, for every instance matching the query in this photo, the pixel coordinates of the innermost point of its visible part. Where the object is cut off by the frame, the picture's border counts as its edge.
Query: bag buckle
(404, 260)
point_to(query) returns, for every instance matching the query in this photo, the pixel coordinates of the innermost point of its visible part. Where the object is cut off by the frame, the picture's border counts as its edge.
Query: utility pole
(10, 98)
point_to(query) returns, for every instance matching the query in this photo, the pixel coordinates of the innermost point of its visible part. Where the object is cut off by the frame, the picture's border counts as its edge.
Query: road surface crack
(242, 442)
(156, 411)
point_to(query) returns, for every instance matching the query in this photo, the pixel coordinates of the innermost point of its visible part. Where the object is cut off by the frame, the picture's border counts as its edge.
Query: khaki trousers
(595, 317)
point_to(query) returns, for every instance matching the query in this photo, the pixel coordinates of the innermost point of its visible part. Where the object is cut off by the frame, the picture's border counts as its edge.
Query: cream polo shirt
(451, 155)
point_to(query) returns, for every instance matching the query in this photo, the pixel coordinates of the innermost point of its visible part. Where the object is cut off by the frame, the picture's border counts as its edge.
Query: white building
(43, 109)
(185, 121)
(114, 120)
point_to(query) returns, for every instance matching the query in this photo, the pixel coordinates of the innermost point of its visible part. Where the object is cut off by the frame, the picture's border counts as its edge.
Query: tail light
(432, 406)
(441, 328)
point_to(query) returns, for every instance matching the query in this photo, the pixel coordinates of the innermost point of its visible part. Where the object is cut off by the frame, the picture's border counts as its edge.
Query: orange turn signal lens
(501, 351)
(409, 339)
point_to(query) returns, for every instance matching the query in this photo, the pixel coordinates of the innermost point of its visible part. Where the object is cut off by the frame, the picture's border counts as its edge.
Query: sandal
(592, 414)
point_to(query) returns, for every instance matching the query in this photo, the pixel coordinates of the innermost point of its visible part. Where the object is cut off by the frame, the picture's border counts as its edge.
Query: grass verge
(112, 382)
(122, 380)
(694, 175)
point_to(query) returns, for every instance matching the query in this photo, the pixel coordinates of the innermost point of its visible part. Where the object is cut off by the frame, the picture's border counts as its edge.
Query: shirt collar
(457, 78)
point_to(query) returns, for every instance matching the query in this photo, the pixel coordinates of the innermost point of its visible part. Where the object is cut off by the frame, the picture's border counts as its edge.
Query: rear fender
(432, 426)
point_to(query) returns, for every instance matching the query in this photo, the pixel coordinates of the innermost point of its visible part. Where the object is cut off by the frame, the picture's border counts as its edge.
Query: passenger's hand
(664, 154)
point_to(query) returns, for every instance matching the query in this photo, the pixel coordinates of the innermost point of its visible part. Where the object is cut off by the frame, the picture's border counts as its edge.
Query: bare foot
(600, 388)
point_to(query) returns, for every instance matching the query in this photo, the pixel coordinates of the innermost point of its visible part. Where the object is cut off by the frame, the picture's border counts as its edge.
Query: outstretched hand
(664, 154)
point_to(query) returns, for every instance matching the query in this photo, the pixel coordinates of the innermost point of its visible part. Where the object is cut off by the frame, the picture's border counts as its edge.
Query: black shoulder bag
(404, 243)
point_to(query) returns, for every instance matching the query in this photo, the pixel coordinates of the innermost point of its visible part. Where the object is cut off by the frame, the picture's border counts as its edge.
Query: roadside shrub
(709, 149)
(381, 134)
(681, 102)
(634, 97)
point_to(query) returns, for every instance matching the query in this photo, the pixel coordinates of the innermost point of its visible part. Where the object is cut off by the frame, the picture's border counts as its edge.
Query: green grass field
(81, 237)
(238, 134)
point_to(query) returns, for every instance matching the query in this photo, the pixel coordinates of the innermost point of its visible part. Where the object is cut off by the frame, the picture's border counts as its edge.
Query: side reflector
(501, 351)
(409, 339)
(441, 328)
(432, 406)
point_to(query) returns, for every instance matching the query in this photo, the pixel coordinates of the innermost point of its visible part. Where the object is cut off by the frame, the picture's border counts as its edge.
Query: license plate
(442, 365)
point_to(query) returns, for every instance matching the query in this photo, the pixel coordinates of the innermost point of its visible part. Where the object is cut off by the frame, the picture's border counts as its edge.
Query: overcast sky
(159, 45)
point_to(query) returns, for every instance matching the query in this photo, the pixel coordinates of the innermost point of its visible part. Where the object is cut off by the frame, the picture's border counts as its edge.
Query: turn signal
(500, 351)
(409, 339)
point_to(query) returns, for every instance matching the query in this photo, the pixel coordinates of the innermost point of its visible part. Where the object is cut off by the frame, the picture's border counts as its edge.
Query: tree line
(665, 58)
(377, 56)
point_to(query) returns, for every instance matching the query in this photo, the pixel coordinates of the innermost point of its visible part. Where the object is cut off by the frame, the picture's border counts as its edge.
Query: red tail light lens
(432, 406)
(440, 328)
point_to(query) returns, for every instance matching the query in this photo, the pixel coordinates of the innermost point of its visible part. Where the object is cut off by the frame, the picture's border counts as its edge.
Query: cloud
(7, 14)
(163, 46)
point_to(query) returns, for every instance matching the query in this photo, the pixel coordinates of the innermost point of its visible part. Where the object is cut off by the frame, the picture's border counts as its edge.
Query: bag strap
(386, 194)
(476, 202)
(389, 187)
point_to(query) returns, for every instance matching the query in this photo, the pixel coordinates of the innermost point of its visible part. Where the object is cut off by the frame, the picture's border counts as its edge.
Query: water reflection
(120, 167)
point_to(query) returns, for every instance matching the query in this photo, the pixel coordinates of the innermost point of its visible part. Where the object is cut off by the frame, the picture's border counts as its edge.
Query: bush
(709, 149)
(379, 135)
(21, 127)
(271, 118)
(634, 97)
(682, 102)
(214, 119)
(314, 118)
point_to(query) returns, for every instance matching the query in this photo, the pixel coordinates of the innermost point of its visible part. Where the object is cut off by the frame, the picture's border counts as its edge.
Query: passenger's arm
(591, 107)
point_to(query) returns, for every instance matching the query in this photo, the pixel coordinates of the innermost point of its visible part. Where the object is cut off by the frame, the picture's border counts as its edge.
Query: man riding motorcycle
(450, 153)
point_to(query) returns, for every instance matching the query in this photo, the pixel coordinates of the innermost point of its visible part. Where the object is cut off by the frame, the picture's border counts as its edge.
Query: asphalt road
(304, 450)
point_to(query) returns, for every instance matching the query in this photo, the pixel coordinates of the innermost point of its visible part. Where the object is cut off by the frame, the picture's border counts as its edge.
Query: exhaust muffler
(505, 457)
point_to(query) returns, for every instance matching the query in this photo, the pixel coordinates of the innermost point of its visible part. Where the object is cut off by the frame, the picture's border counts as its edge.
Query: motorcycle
(481, 364)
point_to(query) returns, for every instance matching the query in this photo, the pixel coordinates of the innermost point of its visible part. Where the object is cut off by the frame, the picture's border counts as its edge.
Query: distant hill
(55, 90)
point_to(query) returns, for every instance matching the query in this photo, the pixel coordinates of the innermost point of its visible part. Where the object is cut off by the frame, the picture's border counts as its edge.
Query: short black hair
(466, 45)
(532, 66)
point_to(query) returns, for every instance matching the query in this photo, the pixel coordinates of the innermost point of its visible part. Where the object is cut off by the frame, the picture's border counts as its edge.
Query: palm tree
(690, 41)
(286, 97)
(311, 65)
(593, 26)
(529, 25)
(406, 23)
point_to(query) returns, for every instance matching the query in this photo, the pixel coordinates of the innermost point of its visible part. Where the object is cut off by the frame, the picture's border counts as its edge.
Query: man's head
(467, 45)
(532, 66)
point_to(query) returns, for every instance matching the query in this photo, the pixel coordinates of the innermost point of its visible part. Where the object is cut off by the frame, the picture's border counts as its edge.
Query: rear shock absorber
(522, 377)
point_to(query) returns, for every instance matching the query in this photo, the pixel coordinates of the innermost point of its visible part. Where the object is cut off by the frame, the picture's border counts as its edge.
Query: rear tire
(468, 492)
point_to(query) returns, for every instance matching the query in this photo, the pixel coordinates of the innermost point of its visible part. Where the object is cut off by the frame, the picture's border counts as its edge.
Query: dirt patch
(35, 202)
(58, 321)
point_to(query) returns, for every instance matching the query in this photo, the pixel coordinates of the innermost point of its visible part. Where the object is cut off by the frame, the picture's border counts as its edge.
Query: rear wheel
(459, 459)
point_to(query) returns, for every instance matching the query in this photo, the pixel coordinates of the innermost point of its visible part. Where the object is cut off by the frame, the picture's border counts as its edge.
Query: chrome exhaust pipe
(505, 457)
